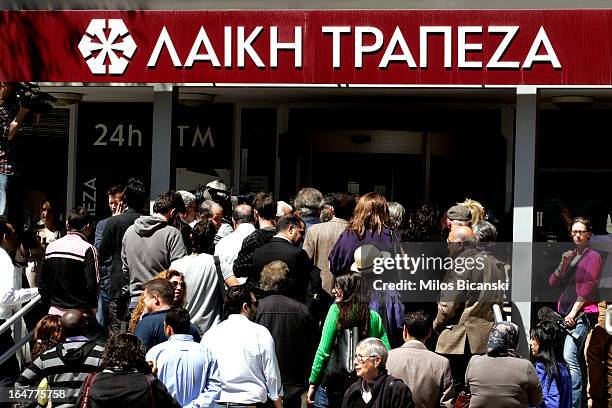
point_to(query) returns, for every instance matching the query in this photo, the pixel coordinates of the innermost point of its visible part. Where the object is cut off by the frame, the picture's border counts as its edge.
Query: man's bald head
(461, 233)
(242, 214)
(73, 323)
(458, 238)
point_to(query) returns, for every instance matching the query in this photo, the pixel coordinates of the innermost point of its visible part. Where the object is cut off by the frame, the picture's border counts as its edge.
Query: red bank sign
(369, 47)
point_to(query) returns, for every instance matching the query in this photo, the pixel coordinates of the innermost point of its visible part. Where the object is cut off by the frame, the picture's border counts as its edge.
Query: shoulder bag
(220, 282)
(339, 371)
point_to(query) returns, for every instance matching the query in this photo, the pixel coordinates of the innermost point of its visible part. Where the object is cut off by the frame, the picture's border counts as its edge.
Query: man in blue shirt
(245, 351)
(158, 298)
(188, 370)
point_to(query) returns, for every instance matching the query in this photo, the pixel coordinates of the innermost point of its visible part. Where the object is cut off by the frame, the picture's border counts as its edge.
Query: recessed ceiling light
(195, 99)
(572, 101)
(66, 98)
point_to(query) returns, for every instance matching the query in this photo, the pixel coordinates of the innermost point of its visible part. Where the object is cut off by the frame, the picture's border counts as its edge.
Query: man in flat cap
(458, 215)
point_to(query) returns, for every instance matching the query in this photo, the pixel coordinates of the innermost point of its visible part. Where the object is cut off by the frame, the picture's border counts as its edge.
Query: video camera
(31, 97)
(547, 314)
(221, 197)
(224, 198)
(29, 236)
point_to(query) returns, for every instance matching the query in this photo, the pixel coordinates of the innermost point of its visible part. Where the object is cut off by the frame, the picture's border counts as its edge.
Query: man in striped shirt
(67, 365)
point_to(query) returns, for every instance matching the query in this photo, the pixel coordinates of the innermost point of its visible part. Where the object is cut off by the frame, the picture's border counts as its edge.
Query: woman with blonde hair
(370, 224)
(476, 209)
(177, 280)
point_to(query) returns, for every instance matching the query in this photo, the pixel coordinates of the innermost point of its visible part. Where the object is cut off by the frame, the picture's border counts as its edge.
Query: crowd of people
(209, 302)
(212, 303)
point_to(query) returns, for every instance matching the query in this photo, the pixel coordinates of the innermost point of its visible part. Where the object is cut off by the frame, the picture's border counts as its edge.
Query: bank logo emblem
(107, 54)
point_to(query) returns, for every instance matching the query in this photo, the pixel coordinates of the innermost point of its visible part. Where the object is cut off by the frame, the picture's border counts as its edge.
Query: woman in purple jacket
(547, 350)
(370, 225)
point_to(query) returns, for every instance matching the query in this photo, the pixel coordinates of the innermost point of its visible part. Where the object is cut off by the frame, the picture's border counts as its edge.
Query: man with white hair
(309, 203)
(213, 212)
(183, 222)
(396, 213)
(190, 204)
(282, 209)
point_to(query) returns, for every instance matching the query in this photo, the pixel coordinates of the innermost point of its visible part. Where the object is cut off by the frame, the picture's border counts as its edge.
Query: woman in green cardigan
(347, 312)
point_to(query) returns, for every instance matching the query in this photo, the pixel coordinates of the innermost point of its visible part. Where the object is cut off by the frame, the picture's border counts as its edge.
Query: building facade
(470, 99)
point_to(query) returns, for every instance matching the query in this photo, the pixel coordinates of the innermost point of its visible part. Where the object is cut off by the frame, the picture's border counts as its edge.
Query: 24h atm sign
(369, 47)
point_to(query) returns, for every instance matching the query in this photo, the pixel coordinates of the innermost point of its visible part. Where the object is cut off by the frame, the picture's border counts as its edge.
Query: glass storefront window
(201, 144)
(258, 150)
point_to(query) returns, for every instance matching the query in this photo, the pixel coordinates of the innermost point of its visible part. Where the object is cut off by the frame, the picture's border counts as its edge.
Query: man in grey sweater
(152, 243)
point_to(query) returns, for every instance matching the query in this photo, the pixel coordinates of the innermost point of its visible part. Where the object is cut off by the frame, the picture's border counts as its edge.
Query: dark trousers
(295, 402)
(292, 396)
(458, 365)
(117, 311)
(15, 194)
(599, 361)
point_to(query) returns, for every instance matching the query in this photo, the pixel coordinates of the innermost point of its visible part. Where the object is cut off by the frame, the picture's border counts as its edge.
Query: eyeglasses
(175, 284)
(578, 232)
(362, 359)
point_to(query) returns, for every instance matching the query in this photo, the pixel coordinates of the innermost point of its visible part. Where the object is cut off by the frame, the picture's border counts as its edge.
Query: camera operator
(12, 115)
(215, 204)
